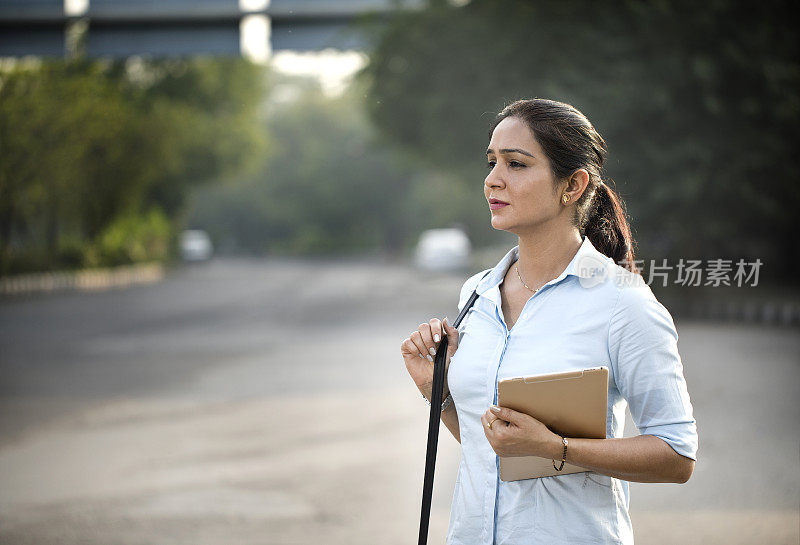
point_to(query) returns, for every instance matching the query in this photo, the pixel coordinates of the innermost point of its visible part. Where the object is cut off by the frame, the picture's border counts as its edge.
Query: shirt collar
(583, 265)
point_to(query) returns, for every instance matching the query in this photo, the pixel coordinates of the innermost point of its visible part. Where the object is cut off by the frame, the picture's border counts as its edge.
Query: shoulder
(637, 307)
(469, 286)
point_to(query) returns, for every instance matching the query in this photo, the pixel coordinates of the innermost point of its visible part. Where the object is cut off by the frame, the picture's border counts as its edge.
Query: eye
(512, 164)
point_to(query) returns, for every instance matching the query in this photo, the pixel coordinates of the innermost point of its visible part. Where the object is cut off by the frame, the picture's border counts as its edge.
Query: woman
(544, 308)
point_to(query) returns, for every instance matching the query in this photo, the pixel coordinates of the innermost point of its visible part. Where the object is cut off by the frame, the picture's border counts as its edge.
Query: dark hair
(571, 142)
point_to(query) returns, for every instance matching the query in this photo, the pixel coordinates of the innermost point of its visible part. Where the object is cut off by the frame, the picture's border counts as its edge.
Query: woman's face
(520, 175)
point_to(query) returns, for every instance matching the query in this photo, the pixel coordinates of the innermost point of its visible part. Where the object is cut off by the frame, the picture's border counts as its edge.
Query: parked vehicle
(443, 250)
(196, 245)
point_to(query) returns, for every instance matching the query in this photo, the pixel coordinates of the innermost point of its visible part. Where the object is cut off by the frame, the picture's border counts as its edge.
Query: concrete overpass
(122, 28)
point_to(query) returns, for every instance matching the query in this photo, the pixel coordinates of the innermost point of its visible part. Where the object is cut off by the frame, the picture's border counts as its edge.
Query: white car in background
(196, 245)
(443, 250)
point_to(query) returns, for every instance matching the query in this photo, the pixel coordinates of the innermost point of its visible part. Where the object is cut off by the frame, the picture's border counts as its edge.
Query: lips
(497, 201)
(496, 204)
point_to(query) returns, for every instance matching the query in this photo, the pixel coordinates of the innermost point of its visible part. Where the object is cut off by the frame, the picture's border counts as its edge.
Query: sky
(333, 68)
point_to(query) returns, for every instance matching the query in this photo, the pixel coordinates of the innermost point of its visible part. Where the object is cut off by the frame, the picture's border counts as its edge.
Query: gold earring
(565, 198)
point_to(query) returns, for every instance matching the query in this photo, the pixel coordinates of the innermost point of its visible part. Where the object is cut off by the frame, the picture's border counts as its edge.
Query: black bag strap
(434, 419)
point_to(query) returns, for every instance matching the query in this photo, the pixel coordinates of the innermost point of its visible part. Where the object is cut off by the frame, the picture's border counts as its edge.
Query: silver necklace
(516, 266)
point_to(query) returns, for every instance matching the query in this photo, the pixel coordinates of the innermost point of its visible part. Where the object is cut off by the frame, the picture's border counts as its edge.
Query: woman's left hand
(517, 434)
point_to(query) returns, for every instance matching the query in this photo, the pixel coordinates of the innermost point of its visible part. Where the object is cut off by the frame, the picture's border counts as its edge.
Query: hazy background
(259, 396)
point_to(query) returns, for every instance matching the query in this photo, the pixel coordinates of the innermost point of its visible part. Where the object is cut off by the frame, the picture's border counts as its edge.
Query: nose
(493, 179)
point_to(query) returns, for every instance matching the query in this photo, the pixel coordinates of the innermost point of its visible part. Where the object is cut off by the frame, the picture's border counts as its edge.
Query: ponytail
(607, 229)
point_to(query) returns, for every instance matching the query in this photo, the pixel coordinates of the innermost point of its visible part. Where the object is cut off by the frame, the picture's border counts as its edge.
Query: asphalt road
(252, 401)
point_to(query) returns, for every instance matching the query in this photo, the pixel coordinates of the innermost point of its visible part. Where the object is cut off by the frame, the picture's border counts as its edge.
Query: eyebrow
(510, 150)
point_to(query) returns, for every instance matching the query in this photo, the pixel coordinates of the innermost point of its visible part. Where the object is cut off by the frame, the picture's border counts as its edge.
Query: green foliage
(697, 101)
(87, 144)
(57, 123)
(209, 107)
(132, 238)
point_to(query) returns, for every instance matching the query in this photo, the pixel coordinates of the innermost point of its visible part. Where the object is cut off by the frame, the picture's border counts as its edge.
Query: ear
(576, 184)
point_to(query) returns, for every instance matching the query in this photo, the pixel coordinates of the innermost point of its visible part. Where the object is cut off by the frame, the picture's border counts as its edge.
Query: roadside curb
(82, 280)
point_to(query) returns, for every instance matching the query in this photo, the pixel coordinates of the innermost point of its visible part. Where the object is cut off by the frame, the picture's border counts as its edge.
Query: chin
(499, 224)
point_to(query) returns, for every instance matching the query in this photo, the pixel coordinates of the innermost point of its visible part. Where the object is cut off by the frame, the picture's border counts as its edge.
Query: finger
(496, 421)
(436, 331)
(409, 349)
(509, 415)
(416, 338)
(485, 423)
(452, 336)
(489, 419)
(452, 333)
(427, 338)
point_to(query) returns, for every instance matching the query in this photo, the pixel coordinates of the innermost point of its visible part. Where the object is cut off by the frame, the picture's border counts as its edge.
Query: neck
(545, 255)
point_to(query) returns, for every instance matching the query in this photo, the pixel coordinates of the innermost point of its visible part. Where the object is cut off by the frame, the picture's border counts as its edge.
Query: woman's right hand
(419, 349)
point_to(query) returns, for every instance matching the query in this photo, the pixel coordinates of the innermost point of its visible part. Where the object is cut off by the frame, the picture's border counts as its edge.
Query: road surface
(265, 402)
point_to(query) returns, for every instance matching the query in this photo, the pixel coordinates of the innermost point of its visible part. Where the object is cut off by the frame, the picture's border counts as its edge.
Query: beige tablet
(572, 404)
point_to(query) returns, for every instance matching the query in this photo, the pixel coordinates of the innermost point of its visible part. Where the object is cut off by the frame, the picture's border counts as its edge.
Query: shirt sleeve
(643, 349)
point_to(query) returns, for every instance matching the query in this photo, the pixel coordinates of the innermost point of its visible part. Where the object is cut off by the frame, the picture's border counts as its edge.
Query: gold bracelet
(564, 457)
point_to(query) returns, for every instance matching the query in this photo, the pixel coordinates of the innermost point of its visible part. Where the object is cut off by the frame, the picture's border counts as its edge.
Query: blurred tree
(61, 126)
(697, 101)
(209, 106)
(87, 144)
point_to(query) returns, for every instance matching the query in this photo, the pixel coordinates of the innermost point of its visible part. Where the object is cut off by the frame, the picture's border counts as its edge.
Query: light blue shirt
(595, 313)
